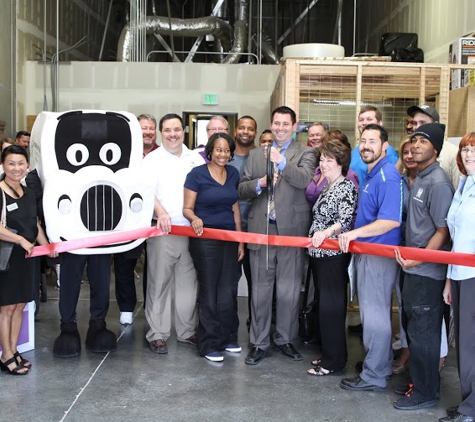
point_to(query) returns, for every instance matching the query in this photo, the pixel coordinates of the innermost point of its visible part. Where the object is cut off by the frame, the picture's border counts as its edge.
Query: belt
(272, 221)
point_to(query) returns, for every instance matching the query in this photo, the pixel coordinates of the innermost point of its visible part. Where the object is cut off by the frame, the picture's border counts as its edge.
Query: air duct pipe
(240, 33)
(180, 28)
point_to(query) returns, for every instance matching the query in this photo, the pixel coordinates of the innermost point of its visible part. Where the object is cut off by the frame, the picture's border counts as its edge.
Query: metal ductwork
(199, 27)
(178, 27)
(267, 51)
(240, 33)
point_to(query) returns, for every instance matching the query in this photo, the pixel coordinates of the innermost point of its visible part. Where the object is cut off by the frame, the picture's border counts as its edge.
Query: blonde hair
(405, 140)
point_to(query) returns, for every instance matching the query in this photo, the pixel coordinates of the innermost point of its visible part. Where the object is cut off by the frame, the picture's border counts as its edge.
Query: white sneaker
(126, 318)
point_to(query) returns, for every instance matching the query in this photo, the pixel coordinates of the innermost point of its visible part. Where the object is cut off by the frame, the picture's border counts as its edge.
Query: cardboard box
(462, 51)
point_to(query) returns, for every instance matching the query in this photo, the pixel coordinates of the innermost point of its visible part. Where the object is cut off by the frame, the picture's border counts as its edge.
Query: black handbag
(6, 248)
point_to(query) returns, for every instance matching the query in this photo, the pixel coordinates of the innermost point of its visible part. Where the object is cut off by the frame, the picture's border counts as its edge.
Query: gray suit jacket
(291, 208)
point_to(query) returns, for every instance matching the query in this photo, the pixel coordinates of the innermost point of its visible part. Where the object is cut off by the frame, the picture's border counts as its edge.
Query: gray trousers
(463, 293)
(286, 267)
(376, 277)
(168, 261)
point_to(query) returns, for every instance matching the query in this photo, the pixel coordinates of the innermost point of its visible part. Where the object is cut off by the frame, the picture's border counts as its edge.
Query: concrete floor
(135, 384)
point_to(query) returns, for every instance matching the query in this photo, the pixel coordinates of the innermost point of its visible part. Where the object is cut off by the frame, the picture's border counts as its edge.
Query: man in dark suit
(286, 213)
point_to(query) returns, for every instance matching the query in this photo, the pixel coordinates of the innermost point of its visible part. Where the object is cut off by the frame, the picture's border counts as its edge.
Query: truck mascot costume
(90, 166)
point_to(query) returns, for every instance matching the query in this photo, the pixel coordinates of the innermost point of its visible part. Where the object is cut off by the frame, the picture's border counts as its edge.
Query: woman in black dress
(17, 283)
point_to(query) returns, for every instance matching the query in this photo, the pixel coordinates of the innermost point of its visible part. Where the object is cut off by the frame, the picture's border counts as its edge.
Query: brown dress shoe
(190, 340)
(159, 346)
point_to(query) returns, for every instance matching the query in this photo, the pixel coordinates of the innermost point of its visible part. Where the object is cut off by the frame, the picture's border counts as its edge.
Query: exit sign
(210, 99)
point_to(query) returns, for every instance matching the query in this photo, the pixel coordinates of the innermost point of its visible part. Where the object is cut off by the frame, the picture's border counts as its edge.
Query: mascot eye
(110, 153)
(77, 154)
(136, 202)
(64, 204)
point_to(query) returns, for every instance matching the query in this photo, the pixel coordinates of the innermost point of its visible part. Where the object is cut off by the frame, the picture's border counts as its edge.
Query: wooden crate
(461, 111)
(334, 91)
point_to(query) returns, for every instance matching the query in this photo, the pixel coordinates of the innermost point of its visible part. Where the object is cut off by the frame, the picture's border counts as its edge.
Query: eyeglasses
(466, 150)
(217, 130)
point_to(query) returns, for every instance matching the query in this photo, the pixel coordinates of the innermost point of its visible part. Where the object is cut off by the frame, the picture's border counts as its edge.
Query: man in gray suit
(289, 215)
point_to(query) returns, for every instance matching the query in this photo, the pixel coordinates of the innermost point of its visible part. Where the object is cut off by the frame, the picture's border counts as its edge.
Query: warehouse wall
(437, 22)
(6, 69)
(34, 37)
(156, 88)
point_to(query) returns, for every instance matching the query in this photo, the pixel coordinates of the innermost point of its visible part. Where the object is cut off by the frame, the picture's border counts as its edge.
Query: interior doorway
(195, 126)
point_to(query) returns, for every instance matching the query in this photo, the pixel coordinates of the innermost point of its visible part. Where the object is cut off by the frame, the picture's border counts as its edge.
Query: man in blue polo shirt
(378, 221)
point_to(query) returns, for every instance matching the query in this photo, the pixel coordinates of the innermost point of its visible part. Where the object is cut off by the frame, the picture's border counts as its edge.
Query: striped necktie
(272, 199)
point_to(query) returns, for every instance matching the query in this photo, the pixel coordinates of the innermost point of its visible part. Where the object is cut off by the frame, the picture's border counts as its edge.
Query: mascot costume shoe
(90, 166)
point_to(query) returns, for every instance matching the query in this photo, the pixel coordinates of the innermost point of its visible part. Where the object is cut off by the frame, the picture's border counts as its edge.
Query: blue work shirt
(381, 199)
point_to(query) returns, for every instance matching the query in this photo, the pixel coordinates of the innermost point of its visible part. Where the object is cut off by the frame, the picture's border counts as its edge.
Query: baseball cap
(426, 109)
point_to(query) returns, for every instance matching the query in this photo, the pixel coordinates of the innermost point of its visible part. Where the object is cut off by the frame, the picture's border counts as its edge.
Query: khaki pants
(168, 260)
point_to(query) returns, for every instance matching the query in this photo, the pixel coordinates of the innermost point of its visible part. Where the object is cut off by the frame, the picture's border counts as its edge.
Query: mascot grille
(101, 208)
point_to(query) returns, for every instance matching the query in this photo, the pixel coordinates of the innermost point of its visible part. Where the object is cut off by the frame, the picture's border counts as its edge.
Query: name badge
(12, 207)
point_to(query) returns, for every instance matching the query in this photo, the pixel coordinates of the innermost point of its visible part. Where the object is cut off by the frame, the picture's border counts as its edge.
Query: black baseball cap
(426, 109)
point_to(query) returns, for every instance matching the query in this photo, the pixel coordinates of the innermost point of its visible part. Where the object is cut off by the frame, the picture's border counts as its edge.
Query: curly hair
(213, 138)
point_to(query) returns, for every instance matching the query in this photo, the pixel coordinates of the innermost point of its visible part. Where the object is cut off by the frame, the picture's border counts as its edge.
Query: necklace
(327, 188)
(15, 192)
(335, 181)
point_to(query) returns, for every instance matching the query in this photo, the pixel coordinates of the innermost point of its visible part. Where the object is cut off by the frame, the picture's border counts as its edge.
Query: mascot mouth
(102, 246)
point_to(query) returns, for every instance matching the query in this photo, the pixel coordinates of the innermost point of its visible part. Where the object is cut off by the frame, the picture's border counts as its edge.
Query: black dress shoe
(288, 350)
(254, 356)
(311, 340)
(357, 384)
(458, 417)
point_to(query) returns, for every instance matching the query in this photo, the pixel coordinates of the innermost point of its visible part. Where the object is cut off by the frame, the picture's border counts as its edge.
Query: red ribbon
(426, 255)
(91, 242)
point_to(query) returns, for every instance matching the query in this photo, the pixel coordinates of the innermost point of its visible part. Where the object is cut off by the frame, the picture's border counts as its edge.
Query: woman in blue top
(211, 201)
(460, 285)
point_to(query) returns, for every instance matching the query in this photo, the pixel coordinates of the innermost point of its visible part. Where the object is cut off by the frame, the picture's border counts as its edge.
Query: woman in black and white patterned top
(333, 213)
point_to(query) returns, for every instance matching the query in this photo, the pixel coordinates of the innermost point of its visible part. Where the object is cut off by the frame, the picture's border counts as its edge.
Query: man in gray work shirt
(426, 227)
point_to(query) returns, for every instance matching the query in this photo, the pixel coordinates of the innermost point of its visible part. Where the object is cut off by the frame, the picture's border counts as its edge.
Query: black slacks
(216, 264)
(330, 276)
(98, 274)
(124, 266)
(423, 307)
